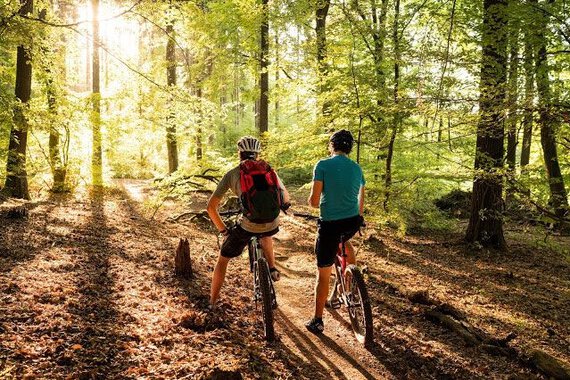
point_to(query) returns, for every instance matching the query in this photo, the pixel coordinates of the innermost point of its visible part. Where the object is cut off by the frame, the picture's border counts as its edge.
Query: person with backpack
(338, 190)
(262, 195)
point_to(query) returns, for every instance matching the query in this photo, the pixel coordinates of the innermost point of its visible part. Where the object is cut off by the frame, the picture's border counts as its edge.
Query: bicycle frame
(359, 309)
(255, 252)
(340, 264)
(263, 290)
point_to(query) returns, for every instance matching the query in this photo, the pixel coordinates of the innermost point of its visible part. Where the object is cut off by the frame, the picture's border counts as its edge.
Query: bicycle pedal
(333, 304)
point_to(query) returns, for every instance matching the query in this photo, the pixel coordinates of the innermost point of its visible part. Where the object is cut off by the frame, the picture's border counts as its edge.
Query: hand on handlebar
(227, 231)
(285, 207)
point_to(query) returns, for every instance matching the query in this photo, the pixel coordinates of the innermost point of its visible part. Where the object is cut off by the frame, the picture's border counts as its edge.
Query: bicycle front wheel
(359, 309)
(266, 299)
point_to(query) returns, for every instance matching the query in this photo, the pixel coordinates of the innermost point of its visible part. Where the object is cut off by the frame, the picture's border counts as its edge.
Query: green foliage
(294, 152)
(214, 100)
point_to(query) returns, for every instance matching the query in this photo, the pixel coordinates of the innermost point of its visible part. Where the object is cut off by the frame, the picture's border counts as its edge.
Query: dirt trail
(336, 353)
(87, 292)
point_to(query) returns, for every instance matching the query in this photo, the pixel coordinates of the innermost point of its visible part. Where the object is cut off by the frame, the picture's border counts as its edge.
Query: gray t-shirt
(231, 180)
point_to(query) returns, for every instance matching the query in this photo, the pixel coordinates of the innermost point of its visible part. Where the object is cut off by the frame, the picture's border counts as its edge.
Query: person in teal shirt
(338, 191)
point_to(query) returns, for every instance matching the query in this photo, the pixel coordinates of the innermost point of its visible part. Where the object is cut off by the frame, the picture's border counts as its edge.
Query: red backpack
(261, 196)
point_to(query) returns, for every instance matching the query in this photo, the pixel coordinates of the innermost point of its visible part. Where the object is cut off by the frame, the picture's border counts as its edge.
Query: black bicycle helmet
(342, 141)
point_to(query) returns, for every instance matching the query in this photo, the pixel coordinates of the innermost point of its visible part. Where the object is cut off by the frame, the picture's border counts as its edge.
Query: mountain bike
(349, 289)
(263, 289)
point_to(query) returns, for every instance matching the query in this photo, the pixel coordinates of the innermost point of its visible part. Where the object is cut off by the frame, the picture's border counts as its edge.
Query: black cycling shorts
(237, 240)
(328, 237)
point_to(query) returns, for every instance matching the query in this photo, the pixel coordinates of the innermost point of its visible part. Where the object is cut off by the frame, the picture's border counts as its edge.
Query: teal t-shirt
(342, 179)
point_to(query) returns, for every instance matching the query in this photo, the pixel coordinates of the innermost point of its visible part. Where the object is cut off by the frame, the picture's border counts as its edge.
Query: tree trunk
(199, 152)
(439, 136)
(396, 119)
(264, 67)
(449, 145)
(16, 175)
(528, 94)
(485, 223)
(321, 14)
(379, 35)
(277, 63)
(512, 99)
(549, 124)
(97, 152)
(171, 141)
(58, 165)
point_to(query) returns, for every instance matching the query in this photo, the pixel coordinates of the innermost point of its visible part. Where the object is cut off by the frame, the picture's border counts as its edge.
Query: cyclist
(338, 190)
(237, 238)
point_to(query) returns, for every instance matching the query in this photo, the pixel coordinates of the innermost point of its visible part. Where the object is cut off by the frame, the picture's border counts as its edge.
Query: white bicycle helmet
(249, 144)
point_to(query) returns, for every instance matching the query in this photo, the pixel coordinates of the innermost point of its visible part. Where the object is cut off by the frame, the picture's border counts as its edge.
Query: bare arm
(361, 201)
(315, 197)
(212, 209)
(286, 196)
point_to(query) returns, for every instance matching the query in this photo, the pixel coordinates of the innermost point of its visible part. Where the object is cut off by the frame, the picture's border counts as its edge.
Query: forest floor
(87, 291)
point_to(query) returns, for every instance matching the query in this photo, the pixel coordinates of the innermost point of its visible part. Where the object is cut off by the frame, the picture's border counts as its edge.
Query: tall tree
(277, 78)
(97, 151)
(263, 111)
(57, 164)
(58, 149)
(485, 223)
(528, 65)
(512, 93)
(396, 95)
(322, 69)
(549, 122)
(16, 175)
(171, 141)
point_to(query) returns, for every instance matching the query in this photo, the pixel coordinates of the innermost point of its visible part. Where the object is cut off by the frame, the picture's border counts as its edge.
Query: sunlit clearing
(119, 35)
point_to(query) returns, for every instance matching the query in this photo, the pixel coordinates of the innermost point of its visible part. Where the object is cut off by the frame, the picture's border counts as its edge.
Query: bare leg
(218, 278)
(322, 290)
(267, 245)
(350, 256)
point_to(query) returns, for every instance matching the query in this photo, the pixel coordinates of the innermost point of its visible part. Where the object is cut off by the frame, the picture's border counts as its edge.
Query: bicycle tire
(333, 298)
(266, 302)
(362, 323)
(250, 254)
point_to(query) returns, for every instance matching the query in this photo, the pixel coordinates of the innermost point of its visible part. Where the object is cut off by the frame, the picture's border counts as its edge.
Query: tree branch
(71, 25)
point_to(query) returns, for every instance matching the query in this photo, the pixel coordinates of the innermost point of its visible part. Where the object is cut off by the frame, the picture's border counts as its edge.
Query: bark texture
(97, 152)
(321, 14)
(182, 262)
(549, 123)
(16, 175)
(171, 141)
(529, 92)
(264, 74)
(486, 223)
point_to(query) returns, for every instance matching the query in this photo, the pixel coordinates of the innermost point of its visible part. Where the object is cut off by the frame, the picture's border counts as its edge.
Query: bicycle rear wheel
(333, 299)
(359, 309)
(266, 298)
(251, 247)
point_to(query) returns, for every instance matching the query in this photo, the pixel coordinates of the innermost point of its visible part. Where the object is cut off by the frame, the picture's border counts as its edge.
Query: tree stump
(182, 262)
